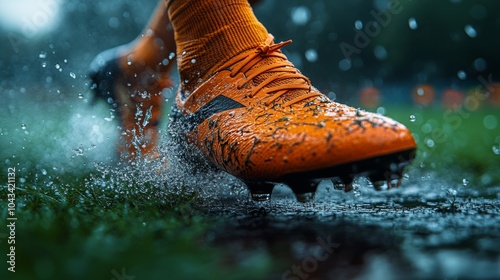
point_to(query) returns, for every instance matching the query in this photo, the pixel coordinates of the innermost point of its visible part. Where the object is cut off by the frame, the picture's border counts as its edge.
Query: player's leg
(131, 78)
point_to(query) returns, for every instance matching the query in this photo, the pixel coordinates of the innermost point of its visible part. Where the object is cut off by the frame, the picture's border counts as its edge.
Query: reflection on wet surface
(424, 229)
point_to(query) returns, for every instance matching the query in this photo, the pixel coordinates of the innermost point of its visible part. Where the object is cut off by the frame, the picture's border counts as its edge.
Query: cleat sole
(382, 168)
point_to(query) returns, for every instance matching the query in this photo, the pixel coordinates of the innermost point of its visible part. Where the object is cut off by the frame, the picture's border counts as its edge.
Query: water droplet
(381, 110)
(58, 66)
(171, 55)
(80, 96)
(426, 128)
(183, 52)
(72, 75)
(358, 24)
(471, 31)
(148, 116)
(452, 192)
(311, 55)
(44, 172)
(496, 149)
(193, 61)
(114, 22)
(44, 64)
(129, 62)
(430, 143)
(300, 15)
(413, 118)
(380, 52)
(490, 122)
(78, 151)
(465, 182)
(165, 62)
(65, 61)
(412, 23)
(345, 64)
(480, 64)
(42, 55)
(461, 75)
(486, 179)
(23, 126)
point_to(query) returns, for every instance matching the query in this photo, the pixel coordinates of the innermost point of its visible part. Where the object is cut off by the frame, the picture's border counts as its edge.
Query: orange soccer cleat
(136, 95)
(258, 118)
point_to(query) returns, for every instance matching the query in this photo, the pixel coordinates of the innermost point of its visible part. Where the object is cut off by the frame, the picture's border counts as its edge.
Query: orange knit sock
(210, 32)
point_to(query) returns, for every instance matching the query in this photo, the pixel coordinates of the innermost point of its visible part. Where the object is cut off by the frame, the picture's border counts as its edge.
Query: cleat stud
(261, 196)
(348, 180)
(261, 191)
(393, 183)
(348, 187)
(338, 184)
(304, 190)
(379, 185)
(304, 197)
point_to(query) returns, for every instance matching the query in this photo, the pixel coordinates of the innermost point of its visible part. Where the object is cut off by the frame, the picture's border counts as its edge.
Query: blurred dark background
(341, 45)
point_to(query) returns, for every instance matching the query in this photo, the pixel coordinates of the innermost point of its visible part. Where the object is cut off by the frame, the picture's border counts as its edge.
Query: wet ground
(427, 229)
(438, 225)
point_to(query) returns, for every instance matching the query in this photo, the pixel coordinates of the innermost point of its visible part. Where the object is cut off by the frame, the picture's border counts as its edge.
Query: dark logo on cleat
(219, 104)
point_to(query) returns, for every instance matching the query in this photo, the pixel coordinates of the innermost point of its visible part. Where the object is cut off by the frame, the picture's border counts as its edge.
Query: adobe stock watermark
(365, 33)
(11, 218)
(310, 264)
(46, 12)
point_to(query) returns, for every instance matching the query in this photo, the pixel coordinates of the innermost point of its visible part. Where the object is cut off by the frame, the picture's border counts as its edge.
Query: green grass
(68, 228)
(459, 140)
(91, 225)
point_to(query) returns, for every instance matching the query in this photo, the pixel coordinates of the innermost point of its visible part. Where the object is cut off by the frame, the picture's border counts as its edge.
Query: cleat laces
(275, 73)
